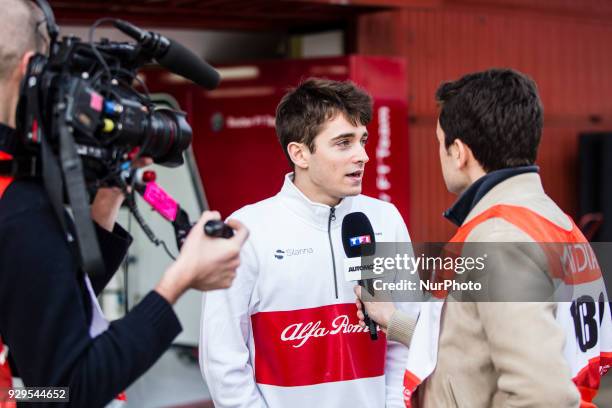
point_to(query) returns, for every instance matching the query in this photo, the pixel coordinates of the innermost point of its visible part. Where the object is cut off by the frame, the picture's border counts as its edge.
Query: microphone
(358, 241)
(172, 55)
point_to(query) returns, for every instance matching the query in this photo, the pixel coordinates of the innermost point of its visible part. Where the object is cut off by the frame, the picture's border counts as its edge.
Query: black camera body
(89, 89)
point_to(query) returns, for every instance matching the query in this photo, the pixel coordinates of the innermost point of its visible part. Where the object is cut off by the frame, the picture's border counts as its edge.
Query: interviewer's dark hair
(304, 110)
(497, 113)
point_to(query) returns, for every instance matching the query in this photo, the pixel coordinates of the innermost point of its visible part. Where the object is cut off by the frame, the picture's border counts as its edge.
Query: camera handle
(167, 207)
(212, 228)
(218, 229)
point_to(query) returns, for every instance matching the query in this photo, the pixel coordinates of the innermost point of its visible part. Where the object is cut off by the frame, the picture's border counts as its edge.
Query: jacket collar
(8, 139)
(466, 202)
(315, 214)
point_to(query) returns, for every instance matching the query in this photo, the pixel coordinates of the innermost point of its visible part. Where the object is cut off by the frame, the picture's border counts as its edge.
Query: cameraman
(50, 319)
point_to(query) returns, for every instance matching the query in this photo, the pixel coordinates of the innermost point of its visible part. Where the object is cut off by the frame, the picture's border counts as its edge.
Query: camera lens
(168, 135)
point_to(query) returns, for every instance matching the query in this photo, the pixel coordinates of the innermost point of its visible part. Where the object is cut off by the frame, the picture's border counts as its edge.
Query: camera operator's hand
(105, 207)
(108, 200)
(204, 263)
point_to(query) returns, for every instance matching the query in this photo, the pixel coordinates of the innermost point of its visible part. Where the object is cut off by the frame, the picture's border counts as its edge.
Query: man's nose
(362, 156)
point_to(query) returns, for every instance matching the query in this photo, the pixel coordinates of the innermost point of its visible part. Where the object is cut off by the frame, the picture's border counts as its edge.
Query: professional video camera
(86, 89)
(81, 122)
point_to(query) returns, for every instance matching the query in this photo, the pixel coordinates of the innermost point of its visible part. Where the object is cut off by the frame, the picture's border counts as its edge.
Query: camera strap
(51, 174)
(52, 180)
(78, 199)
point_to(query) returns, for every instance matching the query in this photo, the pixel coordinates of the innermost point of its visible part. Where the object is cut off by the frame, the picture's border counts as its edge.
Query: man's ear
(461, 154)
(299, 154)
(23, 64)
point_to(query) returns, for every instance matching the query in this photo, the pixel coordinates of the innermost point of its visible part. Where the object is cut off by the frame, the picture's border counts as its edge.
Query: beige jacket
(503, 354)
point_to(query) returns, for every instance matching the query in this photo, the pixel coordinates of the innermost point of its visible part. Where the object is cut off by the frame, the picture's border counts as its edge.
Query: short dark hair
(497, 113)
(304, 110)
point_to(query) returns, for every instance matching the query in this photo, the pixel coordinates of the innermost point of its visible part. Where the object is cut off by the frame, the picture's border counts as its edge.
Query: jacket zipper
(332, 217)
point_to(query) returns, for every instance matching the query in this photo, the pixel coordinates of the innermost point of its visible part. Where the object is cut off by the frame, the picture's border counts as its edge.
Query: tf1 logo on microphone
(356, 241)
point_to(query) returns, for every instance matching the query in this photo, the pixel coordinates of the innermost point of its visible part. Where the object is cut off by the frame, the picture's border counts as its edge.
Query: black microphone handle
(368, 321)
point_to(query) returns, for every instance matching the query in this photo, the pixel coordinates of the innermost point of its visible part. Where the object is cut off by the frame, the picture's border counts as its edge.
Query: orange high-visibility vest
(587, 368)
(588, 360)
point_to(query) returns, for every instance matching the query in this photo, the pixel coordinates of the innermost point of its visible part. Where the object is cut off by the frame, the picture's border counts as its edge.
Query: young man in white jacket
(286, 333)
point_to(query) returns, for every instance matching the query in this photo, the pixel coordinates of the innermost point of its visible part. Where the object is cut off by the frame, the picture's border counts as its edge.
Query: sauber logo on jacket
(313, 346)
(300, 332)
(282, 253)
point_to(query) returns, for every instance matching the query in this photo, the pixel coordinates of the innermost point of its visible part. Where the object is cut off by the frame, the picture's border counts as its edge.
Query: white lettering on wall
(383, 151)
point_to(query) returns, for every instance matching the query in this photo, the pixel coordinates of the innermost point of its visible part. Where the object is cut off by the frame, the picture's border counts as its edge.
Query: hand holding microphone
(379, 311)
(359, 241)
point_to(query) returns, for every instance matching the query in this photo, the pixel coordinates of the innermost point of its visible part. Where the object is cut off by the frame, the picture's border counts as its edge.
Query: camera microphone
(172, 55)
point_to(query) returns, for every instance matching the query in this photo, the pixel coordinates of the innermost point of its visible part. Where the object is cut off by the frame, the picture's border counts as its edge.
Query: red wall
(569, 57)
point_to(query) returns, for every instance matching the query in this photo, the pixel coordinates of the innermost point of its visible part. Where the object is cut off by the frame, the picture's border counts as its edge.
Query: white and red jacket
(286, 333)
